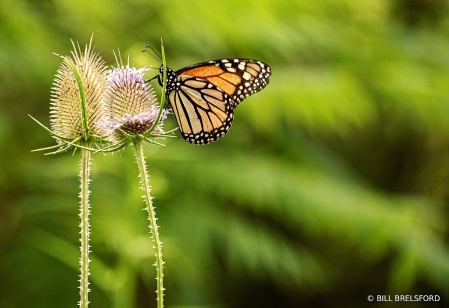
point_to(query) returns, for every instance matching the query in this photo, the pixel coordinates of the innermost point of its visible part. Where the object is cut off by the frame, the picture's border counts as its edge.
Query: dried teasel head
(66, 115)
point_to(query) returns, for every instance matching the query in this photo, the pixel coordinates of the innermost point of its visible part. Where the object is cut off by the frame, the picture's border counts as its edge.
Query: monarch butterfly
(204, 95)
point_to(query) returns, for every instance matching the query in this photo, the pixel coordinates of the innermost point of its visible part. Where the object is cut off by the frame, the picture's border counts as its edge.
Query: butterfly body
(203, 96)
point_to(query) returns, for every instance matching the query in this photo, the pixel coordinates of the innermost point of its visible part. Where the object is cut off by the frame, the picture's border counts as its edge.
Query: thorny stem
(85, 228)
(138, 146)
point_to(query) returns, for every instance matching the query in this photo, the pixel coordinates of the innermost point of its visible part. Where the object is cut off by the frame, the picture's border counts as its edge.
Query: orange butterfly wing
(239, 78)
(203, 96)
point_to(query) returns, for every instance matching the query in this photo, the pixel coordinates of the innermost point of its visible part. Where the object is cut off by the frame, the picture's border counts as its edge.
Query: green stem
(85, 228)
(164, 86)
(138, 146)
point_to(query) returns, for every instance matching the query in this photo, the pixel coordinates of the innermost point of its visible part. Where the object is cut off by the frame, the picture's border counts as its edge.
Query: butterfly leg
(158, 79)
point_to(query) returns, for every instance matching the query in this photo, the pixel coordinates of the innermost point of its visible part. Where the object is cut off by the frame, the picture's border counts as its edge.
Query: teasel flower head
(77, 100)
(66, 111)
(133, 108)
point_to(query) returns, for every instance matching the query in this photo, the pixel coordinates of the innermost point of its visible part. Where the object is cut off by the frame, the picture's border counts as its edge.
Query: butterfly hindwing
(203, 111)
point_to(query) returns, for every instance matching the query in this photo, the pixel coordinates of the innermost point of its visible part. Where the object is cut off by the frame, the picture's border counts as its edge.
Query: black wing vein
(195, 106)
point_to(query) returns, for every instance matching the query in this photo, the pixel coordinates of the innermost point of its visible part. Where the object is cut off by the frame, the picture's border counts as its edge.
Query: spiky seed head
(65, 109)
(131, 102)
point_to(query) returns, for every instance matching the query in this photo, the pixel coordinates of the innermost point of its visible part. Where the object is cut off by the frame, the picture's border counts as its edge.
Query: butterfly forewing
(239, 78)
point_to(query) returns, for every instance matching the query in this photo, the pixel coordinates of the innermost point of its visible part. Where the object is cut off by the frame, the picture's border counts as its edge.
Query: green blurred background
(332, 185)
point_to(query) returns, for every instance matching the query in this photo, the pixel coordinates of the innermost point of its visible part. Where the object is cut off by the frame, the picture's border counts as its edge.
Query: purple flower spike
(131, 103)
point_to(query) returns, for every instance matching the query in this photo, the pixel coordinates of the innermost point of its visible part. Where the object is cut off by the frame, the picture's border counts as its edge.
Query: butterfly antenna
(155, 52)
(152, 54)
(156, 55)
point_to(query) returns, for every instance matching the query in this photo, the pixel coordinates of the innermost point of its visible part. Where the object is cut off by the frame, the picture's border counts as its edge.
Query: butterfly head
(169, 70)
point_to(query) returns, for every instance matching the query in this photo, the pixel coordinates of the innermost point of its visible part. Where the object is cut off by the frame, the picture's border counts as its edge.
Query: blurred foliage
(333, 183)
